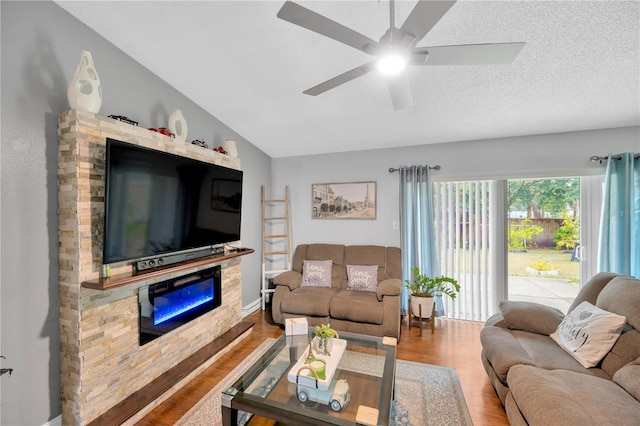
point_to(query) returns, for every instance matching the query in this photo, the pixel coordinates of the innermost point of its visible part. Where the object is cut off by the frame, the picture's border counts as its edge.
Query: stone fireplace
(102, 361)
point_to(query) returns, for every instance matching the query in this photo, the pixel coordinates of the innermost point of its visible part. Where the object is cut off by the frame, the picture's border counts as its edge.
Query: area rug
(426, 395)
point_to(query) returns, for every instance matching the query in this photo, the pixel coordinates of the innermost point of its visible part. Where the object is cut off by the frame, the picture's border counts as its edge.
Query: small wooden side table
(421, 320)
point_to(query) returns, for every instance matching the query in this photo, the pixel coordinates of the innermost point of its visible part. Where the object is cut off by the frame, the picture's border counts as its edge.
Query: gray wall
(553, 155)
(41, 47)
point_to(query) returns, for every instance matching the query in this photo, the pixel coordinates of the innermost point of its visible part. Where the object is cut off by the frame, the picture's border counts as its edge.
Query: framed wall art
(352, 200)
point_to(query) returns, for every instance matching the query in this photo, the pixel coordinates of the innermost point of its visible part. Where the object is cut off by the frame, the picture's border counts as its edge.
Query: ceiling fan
(397, 47)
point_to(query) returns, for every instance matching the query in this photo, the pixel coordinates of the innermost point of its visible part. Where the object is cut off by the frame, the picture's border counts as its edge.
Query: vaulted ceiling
(579, 69)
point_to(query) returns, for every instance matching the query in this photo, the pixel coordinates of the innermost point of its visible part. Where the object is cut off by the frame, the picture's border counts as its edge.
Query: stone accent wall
(101, 360)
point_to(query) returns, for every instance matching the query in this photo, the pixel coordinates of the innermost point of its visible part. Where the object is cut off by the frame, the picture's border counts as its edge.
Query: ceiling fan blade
(471, 54)
(306, 18)
(400, 91)
(424, 16)
(340, 79)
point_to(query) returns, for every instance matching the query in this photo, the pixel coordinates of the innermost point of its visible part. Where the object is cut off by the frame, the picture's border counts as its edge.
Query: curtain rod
(598, 159)
(391, 169)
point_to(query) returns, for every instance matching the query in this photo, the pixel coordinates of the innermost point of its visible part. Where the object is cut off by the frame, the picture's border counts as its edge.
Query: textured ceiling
(579, 69)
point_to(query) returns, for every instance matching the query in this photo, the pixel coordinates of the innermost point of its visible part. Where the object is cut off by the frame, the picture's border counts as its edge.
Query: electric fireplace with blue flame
(170, 304)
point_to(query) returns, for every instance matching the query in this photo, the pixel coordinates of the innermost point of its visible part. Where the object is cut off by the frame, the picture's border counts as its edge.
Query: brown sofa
(539, 383)
(373, 313)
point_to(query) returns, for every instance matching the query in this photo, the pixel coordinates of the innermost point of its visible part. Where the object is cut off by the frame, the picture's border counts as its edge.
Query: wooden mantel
(119, 280)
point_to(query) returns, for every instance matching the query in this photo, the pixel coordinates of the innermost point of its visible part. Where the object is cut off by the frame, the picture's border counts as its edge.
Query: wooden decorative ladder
(276, 230)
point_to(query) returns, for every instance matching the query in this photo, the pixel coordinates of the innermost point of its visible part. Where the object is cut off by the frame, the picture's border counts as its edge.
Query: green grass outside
(556, 259)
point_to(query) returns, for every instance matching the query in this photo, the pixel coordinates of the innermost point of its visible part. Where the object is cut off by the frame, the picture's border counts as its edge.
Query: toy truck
(337, 396)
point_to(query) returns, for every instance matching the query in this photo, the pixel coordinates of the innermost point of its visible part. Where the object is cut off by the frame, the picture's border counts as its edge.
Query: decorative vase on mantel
(230, 147)
(178, 125)
(85, 90)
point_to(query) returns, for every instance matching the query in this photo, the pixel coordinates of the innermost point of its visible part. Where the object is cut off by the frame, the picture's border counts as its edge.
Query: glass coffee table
(367, 365)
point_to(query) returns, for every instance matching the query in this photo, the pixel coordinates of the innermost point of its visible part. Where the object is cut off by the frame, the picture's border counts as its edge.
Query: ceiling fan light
(392, 64)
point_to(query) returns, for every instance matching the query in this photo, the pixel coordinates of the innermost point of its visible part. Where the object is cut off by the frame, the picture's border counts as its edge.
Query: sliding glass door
(543, 241)
(488, 244)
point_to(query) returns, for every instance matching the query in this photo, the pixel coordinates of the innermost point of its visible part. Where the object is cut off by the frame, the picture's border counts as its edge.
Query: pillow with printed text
(362, 278)
(316, 273)
(588, 333)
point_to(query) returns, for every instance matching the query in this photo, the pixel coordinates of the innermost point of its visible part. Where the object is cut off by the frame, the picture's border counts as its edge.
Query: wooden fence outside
(547, 236)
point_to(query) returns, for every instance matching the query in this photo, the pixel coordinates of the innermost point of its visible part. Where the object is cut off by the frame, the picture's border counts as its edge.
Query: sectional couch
(540, 383)
(374, 311)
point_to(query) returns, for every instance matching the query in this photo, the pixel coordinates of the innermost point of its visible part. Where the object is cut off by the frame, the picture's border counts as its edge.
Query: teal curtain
(619, 246)
(417, 230)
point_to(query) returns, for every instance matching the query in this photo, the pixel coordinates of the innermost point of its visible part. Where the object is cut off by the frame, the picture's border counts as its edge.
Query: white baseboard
(54, 422)
(251, 307)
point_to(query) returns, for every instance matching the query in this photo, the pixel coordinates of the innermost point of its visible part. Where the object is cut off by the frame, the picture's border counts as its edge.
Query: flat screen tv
(158, 203)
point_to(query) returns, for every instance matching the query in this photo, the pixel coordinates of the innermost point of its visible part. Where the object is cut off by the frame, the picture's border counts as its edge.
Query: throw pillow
(588, 333)
(316, 273)
(530, 316)
(362, 278)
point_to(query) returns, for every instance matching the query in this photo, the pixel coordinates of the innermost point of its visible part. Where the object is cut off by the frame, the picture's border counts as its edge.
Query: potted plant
(322, 338)
(423, 290)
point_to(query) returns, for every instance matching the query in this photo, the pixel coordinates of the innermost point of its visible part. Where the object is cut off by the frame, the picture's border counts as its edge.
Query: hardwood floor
(454, 344)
